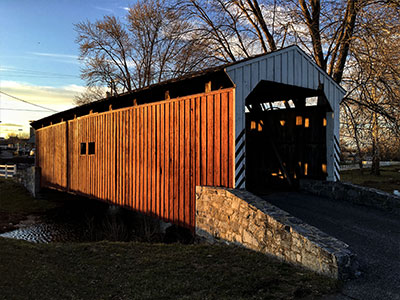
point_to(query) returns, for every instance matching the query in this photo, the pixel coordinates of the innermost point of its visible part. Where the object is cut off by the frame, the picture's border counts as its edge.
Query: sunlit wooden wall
(148, 157)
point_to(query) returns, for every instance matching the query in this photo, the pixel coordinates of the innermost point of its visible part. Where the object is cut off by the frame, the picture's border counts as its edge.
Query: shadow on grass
(112, 270)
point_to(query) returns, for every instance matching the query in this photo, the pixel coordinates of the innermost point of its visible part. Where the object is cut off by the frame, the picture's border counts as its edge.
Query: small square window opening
(91, 148)
(83, 148)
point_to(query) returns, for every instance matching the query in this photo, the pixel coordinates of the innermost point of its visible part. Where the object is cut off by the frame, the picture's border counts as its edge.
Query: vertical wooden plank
(203, 141)
(114, 148)
(210, 140)
(130, 171)
(98, 155)
(149, 160)
(198, 144)
(181, 159)
(90, 157)
(106, 158)
(63, 160)
(167, 157)
(122, 156)
(175, 156)
(106, 155)
(145, 167)
(86, 161)
(113, 156)
(133, 158)
(192, 162)
(162, 160)
(84, 158)
(224, 139)
(81, 166)
(126, 165)
(76, 156)
(117, 156)
(197, 153)
(217, 140)
(153, 187)
(137, 158)
(187, 166)
(53, 152)
(88, 169)
(121, 151)
(70, 153)
(142, 160)
(135, 134)
(103, 175)
(93, 158)
(100, 150)
(109, 156)
(121, 167)
(157, 159)
(82, 161)
(127, 162)
(231, 134)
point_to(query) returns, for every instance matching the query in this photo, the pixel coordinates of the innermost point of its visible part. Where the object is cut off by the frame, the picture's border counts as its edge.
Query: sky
(39, 56)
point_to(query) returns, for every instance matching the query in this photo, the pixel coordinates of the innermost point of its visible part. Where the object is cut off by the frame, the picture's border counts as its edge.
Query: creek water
(80, 219)
(46, 233)
(76, 219)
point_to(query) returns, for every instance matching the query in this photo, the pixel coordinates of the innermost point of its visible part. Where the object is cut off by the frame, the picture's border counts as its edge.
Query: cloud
(124, 8)
(10, 125)
(63, 58)
(56, 55)
(53, 97)
(17, 112)
(109, 10)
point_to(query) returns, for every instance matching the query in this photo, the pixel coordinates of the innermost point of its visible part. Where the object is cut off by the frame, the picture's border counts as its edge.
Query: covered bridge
(259, 123)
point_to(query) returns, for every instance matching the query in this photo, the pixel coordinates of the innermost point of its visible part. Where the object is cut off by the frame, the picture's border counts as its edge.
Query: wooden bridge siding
(51, 155)
(148, 157)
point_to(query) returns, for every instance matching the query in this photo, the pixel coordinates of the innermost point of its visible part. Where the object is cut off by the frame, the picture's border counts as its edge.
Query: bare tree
(105, 48)
(373, 77)
(91, 93)
(154, 43)
(241, 28)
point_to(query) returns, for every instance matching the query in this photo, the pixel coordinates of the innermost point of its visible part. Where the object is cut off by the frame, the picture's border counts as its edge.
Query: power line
(19, 99)
(34, 76)
(34, 72)
(21, 109)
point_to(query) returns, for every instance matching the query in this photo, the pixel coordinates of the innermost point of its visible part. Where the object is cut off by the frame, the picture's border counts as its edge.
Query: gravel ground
(373, 235)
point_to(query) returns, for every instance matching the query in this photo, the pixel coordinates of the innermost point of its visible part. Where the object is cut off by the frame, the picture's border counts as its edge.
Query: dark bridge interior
(285, 136)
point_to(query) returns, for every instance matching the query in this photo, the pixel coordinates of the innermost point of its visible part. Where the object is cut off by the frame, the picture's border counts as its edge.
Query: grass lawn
(16, 204)
(388, 181)
(131, 270)
(107, 270)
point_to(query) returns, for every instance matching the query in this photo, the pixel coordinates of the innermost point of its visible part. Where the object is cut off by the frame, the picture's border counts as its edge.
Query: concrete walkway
(374, 236)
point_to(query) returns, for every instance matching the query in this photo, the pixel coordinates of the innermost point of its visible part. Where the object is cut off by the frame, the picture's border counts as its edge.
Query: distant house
(263, 122)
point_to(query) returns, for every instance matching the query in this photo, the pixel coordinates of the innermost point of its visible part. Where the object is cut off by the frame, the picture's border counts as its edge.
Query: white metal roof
(289, 66)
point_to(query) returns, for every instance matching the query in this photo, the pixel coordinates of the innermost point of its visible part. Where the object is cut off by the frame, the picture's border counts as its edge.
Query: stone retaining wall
(353, 193)
(29, 177)
(239, 217)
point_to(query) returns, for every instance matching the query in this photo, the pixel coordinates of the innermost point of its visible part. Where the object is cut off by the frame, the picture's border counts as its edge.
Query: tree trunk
(375, 146)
